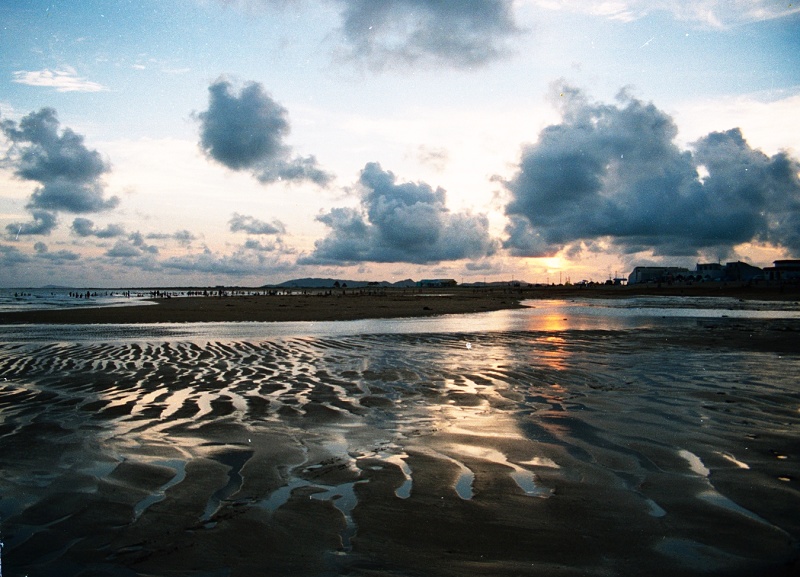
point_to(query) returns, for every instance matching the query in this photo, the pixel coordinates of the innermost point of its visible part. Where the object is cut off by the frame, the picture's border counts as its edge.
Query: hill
(317, 283)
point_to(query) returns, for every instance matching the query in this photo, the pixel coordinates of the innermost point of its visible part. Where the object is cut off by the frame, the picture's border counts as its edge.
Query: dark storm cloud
(85, 227)
(251, 225)
(614, 171)
(247, 132)
(43, 224)
(461, 33)
(400, 222)
(69, 173)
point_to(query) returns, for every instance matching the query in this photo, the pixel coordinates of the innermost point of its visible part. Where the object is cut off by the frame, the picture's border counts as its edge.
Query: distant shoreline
(358, 304)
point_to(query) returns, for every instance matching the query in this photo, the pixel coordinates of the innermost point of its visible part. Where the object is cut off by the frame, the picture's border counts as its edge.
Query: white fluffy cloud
(64, 79)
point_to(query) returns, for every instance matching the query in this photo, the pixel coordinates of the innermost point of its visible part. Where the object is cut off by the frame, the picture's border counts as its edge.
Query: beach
(312, 306)
(521, 442)
(351, 304)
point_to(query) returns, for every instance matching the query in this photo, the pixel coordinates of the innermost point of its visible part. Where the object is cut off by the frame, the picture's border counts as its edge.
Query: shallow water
(403, 445)
(64, 298)
(540, 315)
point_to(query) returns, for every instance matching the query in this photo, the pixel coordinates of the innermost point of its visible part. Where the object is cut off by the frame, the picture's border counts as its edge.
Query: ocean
(14, 299)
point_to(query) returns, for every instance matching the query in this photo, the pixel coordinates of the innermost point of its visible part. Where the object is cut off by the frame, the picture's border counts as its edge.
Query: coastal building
(645, 274)
(742, 272)
(783, 270)
(709, 271)
(714, 272)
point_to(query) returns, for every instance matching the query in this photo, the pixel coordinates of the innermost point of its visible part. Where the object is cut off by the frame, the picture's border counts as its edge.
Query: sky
(249, 142)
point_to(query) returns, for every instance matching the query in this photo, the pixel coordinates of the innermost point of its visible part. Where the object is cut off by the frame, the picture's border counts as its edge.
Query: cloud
(252, 259)
(400, 222)
(43, 224)
(274, 246)
(251, 225)
(123, 249)
(247, 132)
(133, 246)
(615, 172)
(459, 33)
(58, 257)
(391, 33)
(183, 237)
(63, 80)
(69, 173)
(137, 240)
(85, 227)
(707, 12)
(11, 256)
(436, 158)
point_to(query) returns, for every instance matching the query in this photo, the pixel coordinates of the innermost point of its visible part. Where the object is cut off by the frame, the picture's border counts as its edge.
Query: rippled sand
(514, 453)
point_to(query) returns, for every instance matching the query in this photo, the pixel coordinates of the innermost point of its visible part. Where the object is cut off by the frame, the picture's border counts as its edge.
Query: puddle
(234, 460)
(399, 460)
(654, 509)
(524, 478)
(342, 496)
(176, 465)
(464, 483)
(526, 481)
(344, 499)
(711, 495)
(719, 500)
(734, 460)
(280, 496)
(695, 464)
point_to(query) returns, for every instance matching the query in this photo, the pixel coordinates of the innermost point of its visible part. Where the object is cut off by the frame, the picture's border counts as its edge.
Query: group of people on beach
(80, 295)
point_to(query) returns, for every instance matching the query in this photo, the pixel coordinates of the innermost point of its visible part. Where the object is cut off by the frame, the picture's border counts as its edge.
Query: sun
(552, 263)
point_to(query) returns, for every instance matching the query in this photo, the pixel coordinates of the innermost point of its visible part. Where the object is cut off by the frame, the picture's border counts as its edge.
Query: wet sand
(564, 452)
(315, 306)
